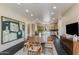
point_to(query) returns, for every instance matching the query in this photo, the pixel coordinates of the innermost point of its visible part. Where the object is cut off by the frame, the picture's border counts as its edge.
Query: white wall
(5, 11)
(71, 16)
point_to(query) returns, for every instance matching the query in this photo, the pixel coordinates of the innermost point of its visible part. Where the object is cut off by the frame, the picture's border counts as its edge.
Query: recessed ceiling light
(52, 13)
(27, 10)
(31, 14)
(54, 7)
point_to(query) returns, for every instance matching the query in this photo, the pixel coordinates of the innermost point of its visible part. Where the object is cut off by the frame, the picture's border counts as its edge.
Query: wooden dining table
(34, 50)
(36, 45)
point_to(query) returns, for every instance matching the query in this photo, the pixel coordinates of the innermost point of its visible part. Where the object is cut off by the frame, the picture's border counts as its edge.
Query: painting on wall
(11, 29)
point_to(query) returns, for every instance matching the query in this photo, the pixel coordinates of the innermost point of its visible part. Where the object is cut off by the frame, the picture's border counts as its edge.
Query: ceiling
(41, 11)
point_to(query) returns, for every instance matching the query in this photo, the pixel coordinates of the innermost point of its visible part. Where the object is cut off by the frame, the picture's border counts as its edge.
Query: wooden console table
(70, 46)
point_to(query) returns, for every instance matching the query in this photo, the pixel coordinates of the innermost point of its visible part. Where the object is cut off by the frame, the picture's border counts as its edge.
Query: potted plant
(40, 29)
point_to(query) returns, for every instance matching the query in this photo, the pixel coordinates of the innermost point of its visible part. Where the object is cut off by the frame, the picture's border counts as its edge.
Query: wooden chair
(49, 45)
(50, 41)
(30, 43)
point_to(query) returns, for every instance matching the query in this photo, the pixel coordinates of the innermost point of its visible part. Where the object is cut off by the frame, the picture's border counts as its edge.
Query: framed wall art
(11, 29)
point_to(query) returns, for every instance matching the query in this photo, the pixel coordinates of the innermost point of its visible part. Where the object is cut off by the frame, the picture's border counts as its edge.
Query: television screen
(72, 28)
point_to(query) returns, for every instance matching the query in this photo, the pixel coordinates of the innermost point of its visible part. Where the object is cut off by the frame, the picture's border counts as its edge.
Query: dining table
(34, 50)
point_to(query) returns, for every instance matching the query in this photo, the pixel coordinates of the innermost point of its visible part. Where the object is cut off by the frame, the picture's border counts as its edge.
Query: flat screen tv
(72, 29)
